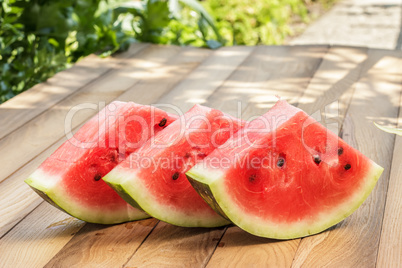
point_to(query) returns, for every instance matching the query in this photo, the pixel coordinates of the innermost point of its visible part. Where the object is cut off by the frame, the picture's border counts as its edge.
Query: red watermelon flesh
(70, 178)
(287, 179)
(153, 178)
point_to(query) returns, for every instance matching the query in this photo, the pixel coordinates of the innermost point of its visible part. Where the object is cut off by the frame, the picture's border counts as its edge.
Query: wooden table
(355, 86)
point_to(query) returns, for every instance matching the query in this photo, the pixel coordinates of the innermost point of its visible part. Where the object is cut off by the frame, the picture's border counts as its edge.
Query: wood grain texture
(390, 250)
(330, 90)
(44, 130)
(354, 242)
(34, 241)
(166, 79)
(17, 198)
(288, 78)
(267, 72)
(364, 84)
(103, 246)
(240, 249)
(21, 109)
(173, 246)
(207, 78)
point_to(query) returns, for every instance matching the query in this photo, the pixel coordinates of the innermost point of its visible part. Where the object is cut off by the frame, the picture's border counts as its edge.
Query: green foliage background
(41, 37)
(250, 22)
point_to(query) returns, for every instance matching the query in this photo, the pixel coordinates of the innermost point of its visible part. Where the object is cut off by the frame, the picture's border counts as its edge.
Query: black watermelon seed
(317, 159)
(281, 162)
(97, 177)
(176, 176)
(202, 155)
(162, 123)
(187, 155)
(340, 150)
(251, 178)
(347, 166)
(113, 158)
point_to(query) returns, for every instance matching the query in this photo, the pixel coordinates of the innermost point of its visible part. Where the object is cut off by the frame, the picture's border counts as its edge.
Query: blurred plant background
(41, 37)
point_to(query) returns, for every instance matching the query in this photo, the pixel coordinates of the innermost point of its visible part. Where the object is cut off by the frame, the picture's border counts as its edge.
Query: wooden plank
(170, 246)
(240, 249)
(207, 78)
(178, 69)
(390, 249)
(34, 241)
(44, 130)
(254, 82)
(17, 198)
(255, 76)
(21, 109)
(289, 82)
(354, 242)
(103, 246)
(166, 76)
(331, 89)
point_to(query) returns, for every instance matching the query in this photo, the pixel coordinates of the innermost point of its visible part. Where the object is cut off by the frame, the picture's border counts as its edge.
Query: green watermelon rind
(205, 192)
(130, 188)
(57, 197)
(212, 181)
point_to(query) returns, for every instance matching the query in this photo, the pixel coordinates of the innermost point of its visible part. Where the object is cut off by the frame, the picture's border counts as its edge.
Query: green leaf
(158, 14)
(213, 44)
(397, 131)
(195, 5)
(131, 10)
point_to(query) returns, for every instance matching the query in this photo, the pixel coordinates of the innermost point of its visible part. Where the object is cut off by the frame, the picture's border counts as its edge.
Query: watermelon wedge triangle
(285, 176)
(153, 178)
(70, 179)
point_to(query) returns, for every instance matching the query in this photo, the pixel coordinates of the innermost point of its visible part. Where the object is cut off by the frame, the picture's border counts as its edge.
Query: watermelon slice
(153, 178)
(70, 179)
(285, 176)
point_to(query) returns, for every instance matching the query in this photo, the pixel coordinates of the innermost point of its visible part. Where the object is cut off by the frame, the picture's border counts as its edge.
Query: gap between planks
(390, 248)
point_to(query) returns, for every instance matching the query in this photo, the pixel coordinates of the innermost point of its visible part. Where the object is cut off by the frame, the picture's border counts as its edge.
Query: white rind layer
(129, 186)
(271, 229)
(47, 186)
